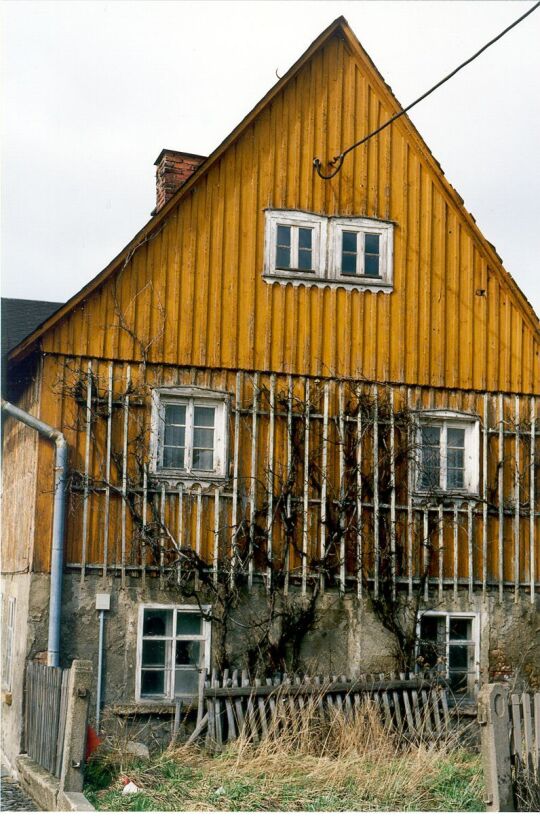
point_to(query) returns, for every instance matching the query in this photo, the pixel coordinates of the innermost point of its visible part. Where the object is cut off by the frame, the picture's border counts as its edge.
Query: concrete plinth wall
(347, 638)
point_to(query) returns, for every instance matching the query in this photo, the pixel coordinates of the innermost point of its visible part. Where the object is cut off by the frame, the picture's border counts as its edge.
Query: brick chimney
(172, 169)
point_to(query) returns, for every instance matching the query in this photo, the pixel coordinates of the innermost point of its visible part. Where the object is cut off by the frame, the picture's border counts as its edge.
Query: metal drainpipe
(57, 547)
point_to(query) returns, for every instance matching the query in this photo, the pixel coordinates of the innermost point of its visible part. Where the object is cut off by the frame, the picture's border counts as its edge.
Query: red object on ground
(92, 741)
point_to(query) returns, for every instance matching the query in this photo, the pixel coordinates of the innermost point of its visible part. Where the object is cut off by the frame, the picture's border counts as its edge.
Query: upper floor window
(189, 433)
(448, 453)
(355, 252)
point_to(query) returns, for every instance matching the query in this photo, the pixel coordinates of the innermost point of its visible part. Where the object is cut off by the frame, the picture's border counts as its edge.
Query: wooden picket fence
(45, 714)
(230, 706)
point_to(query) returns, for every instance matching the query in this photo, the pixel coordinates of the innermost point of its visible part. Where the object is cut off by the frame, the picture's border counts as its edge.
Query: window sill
(142, 708)
(348, 283)
(174, 478)
(438, 495)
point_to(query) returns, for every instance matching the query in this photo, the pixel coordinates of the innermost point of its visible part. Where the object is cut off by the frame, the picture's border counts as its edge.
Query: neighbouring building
(301, 416)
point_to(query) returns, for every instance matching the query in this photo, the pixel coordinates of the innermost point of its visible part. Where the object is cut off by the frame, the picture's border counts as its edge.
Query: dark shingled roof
(22, 316)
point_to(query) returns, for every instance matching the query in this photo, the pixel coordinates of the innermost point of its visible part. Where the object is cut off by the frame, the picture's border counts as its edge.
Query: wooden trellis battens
(480, 542)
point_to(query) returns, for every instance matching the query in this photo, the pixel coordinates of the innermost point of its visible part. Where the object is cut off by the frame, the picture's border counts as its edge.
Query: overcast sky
(93, 90)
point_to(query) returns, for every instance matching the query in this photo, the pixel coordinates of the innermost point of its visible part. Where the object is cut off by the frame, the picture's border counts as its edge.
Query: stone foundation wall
(346, 639)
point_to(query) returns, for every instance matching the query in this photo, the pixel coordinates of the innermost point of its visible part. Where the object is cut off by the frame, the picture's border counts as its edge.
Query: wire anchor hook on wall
(334, 163)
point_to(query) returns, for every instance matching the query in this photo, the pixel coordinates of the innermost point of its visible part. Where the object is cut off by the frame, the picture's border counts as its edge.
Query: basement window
(189, 433)
(173, 647)
(355, 253)
(448, 643)
(448, 454)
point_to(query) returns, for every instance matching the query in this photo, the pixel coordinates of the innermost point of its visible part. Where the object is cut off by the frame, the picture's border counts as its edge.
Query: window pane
(175, 414)
(284, 235)
(175, 435)
(371, 266)
(348, 264)
(304, 238)
(461, 629)
(433, 641)
(188, 652)
(455, 479)
(153, 682)
(458, 657)
(304, 260)
(188, 624)
(283, 248)
(371, 244)
(456, 437)
(186, 682)
(349, 241)
(154, 653)
(431, 436)
(173, 457)
(203, 459)
(203, 438)
(157, 623)
(283, 257)
(204, 416)
(455, 458)
(458, 682)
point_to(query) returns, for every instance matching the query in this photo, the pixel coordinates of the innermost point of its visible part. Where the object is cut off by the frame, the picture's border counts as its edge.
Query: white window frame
(169, 694)
(326, 250)
(445, 419)
(474, 641)
(7, 666)
(362, 226)
(189, 396)
(295, 220)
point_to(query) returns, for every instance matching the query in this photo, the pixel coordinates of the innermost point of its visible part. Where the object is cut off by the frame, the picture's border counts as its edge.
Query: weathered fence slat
(233, 706)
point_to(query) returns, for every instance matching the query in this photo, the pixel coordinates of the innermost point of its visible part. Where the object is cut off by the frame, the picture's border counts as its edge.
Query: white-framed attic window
(295, 244)
(189, 433)
(355, 253)
(447, 458)
(363, 250)
(173, 646)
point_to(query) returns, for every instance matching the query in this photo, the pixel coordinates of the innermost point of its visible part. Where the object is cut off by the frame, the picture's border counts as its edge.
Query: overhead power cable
(337, 161)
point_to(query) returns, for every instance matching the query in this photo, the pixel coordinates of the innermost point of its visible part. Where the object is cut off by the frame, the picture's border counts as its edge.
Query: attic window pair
(354, 252)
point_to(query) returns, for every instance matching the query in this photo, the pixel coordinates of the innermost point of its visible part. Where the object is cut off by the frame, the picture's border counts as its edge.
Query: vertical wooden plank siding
(484, 494)
(342, 489)
(376, 522)
(253, 476)
(447, 280)
(108, 470)
(124, 471)
(500, 492)
(532, 509)
(393, 495)
(517, 478)
(324, 469)
(453, 536)
(235, 523)
(270, 469)
(305, 506)
(359, 520)
(86, 480)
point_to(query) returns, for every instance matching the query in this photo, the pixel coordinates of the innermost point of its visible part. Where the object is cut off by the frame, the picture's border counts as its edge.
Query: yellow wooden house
(313, 391)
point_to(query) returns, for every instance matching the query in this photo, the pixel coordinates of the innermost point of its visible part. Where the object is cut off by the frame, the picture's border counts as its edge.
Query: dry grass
(306, 763)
